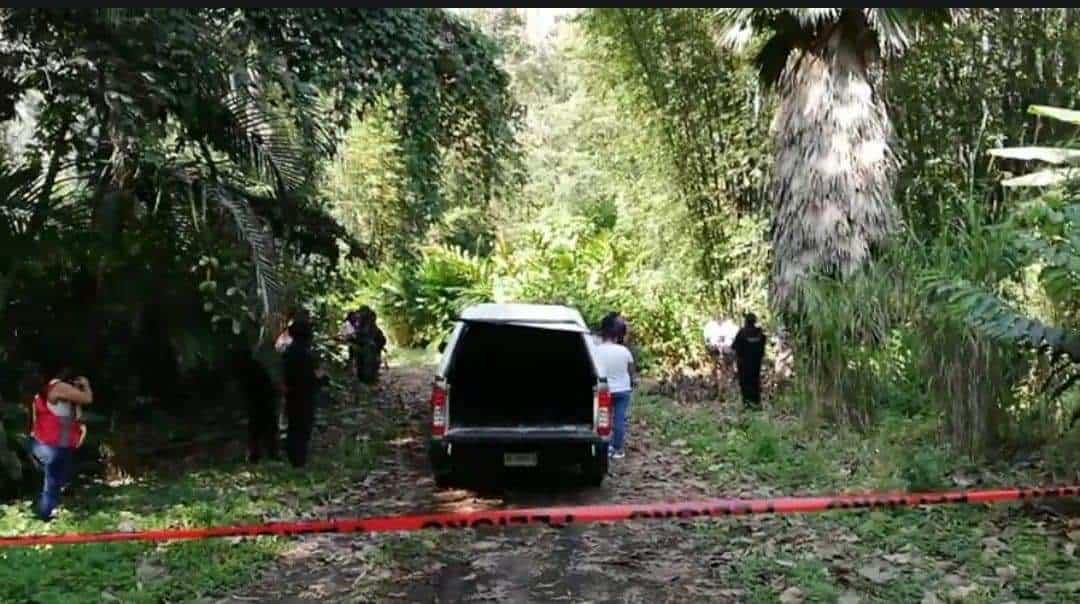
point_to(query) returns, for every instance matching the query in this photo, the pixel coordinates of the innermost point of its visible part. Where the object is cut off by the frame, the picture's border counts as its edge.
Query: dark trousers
(300, 411)
(750, 383)
(57, 463)
(262, 430)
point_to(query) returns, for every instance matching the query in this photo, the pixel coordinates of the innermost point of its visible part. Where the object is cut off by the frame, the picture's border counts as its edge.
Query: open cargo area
(513, 376)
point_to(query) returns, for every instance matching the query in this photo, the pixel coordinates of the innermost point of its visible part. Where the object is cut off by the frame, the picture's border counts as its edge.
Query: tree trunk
(835, 168)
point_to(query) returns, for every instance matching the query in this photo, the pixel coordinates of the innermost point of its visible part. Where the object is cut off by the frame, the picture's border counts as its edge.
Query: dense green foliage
(159, 181)
(896, 192)
(646, 156)
(642, 175)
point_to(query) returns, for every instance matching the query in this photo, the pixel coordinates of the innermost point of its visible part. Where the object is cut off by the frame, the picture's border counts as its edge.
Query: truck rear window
(506, 376)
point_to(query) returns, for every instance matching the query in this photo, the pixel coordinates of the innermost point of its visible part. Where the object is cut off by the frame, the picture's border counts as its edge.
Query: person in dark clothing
(302, 383)
(262, 405)
(370, 343)
(749, 346)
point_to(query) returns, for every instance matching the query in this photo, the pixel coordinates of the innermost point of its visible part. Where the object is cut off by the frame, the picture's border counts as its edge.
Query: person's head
(301, 331)
(366, 314)
(613, 328)
(751, 319)
(353, 316)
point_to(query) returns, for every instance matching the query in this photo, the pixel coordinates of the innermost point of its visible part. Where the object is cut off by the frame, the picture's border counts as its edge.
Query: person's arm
(631, 368)
(283, 341)
(62, 391)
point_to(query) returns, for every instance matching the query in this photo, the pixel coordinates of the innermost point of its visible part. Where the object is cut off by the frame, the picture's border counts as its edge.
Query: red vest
(54, 430)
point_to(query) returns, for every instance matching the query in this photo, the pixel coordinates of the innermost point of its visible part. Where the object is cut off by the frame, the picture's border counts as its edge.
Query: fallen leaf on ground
(1070, 550)
(993, 543)
(791, 595)
(955, 580)
(929, 598)
(1074, 536)
(898, 558)
(849, 598)
(877, 573)
(962, 481)
(147, 571)
(961, 593)
(1070, 587)
(1006, 573)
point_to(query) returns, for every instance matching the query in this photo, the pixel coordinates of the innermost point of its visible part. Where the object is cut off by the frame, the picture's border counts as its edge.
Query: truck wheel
(444, 476)
(596, 469)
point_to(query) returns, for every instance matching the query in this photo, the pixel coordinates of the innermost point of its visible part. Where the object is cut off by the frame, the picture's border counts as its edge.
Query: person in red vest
(57, 431)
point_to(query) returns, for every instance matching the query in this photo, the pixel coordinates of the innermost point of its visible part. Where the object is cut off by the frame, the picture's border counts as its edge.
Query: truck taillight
(438, 410)
(603, 412)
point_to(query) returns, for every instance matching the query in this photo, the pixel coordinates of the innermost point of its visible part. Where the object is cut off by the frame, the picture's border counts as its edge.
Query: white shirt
(283, 341)
(347, 330)
(615, 360)
(719, 336)
(62, 408)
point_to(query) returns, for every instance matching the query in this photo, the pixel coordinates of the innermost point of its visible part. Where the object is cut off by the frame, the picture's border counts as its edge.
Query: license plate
(519, 460)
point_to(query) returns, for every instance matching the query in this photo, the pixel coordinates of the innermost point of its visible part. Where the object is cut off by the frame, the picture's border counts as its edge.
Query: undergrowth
(958, 553)
(176, 571)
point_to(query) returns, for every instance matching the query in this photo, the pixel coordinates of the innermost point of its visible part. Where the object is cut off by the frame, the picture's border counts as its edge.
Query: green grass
(413, 357)
(933, 549)
(177, 571)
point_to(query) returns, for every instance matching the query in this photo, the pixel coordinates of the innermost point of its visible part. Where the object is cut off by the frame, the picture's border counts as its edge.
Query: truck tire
(596, 468)
(444, 476)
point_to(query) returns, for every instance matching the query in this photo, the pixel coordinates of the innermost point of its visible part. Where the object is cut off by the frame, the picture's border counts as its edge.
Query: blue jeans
(621, 402)
(57, 464)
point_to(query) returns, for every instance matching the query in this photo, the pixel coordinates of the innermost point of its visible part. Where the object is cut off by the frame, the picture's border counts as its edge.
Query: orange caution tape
(560, 516)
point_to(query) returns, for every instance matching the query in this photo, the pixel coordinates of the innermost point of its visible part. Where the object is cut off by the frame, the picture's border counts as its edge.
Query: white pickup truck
(519, 386)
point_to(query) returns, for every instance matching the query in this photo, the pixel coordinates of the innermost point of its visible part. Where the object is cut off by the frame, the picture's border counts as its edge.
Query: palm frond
(773, 57)
(1069, 116)
(735, 27)
(1050, 155)
(989, 316)
(812, 17)
(896, 27)
(1043, 178)
(254, 137)
(260, 240)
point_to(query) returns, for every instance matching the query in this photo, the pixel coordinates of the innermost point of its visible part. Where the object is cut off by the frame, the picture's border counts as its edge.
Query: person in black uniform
(262, 404)
(749, 346)
(302, 384)
(370, 344)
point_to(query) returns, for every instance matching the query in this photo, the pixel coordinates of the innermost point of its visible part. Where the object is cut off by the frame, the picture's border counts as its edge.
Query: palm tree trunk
(835, 166)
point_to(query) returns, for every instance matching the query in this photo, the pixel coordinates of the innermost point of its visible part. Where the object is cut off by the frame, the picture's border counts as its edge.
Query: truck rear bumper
(487, 448)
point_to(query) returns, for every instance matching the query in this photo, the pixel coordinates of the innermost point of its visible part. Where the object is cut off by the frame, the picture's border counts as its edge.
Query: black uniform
(262, 405)
(301, 389)
(370, 343)
(749, 349)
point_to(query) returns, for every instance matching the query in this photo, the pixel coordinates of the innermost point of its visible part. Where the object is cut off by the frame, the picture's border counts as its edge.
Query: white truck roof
(524, 314)
(540, 316)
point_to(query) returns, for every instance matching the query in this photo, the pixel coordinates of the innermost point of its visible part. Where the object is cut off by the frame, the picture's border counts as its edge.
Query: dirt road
(630, 562)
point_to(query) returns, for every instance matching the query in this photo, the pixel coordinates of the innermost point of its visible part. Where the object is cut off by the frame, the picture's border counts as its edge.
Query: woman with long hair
(56, 432)
(618, 363)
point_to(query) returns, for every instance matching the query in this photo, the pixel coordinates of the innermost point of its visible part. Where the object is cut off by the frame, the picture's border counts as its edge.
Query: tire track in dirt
(626, 562)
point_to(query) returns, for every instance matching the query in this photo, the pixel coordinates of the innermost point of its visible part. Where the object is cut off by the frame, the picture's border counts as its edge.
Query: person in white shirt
(284, 340)
(618, 364)
(719, 339)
